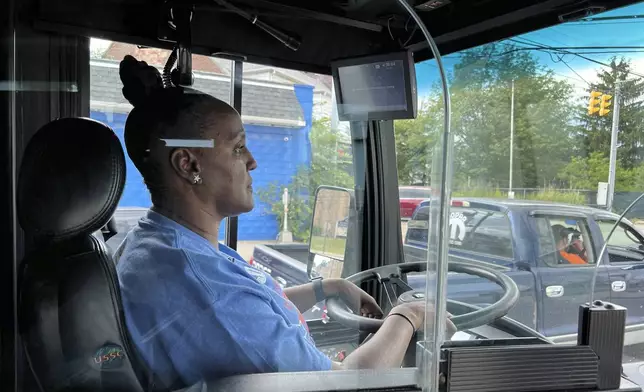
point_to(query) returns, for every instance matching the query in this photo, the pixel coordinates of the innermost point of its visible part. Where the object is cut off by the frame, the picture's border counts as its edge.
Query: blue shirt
(197, 313)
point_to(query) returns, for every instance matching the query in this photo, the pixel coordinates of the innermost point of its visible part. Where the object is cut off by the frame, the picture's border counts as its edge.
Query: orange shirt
(572, 258)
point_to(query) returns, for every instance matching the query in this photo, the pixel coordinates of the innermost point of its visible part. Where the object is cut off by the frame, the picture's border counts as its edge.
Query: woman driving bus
(194, 308)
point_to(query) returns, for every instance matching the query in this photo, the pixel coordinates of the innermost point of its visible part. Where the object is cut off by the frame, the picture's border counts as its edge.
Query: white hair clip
(195, 143)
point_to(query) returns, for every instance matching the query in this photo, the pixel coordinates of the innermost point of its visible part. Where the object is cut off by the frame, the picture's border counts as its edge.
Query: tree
(332, 160)
(331, 164)
(300, 204)
(480, 89)
(586, 172)
(414, 142)
(638, 177)
(594, 132)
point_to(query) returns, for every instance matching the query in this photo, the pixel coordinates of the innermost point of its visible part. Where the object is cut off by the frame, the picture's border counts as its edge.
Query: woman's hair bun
(140, 80)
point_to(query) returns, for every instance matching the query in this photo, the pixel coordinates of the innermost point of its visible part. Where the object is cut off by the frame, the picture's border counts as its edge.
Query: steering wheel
(392, 276)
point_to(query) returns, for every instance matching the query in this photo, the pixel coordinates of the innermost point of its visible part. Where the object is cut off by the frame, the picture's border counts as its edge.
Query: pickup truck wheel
(395, 288)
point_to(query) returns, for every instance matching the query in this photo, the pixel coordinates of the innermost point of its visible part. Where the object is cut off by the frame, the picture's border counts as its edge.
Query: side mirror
(332, 215)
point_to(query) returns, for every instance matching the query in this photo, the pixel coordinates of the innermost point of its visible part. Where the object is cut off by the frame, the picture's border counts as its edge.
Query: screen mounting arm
(288, 40)
(181, 16)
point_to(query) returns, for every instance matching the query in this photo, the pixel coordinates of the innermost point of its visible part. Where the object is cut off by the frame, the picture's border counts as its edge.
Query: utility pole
(285, 235)
(613, 148)
(510, 192)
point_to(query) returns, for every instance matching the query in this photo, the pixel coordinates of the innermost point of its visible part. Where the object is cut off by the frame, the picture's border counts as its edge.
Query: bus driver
(194, 308)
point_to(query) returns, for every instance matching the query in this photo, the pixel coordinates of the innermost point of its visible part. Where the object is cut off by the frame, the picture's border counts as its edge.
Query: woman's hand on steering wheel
(357, 299)
(416, 313)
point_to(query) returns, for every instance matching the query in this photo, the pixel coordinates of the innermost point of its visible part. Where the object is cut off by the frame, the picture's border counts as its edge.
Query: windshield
(624, 234)
(532, 157)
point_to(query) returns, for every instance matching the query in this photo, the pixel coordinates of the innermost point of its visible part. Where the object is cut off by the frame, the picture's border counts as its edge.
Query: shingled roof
(263, 103)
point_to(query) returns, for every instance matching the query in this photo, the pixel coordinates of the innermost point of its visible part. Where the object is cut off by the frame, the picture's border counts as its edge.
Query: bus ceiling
(326, 30)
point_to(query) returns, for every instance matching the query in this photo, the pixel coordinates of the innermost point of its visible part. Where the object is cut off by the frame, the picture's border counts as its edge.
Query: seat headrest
(71, 179)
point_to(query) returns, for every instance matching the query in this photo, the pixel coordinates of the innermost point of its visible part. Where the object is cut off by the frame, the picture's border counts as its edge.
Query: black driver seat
(70, 316)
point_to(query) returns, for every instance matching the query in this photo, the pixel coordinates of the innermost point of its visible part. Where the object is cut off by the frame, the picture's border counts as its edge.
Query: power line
(569, 52)
(561, 48)
(614, 51)
(562, 32)
(575, 72)
(575, 24)
(526, 39)
(568, 77)
(620, 17)
(561, 59)
(592, 47)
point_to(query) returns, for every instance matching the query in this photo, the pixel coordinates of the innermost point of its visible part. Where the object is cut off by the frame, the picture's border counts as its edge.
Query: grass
(543, 195)
(558, 196)
(331, 246)
(488, 193)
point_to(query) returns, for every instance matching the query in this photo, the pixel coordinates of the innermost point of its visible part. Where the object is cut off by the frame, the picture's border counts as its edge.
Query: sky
(574, 34)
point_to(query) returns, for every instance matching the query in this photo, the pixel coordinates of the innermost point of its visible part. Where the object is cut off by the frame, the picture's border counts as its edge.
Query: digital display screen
(373, 87)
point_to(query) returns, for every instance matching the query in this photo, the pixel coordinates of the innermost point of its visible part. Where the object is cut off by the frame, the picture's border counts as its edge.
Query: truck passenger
(194, 308)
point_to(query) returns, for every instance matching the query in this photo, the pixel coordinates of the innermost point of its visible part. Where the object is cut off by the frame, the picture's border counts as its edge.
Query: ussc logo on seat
(110, 356)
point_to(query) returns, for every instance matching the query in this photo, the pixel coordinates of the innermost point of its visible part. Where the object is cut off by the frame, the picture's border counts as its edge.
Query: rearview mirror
(329, 230)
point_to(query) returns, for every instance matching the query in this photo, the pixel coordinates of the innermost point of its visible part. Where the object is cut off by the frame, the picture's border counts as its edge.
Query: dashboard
(337, 342)
(338, 350)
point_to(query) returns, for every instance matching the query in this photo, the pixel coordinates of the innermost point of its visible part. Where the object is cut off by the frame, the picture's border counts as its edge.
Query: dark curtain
(51, 74)
(52, 80)
(7, 225)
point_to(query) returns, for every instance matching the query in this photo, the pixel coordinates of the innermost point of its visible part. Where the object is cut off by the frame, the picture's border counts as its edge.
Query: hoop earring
(196, 179)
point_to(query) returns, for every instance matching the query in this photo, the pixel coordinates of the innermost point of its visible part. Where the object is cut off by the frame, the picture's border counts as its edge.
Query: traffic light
(605, 104)
(594, 101)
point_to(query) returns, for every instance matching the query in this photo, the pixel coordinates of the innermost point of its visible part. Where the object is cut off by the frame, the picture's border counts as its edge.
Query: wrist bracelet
(319, 290)
(406, 318)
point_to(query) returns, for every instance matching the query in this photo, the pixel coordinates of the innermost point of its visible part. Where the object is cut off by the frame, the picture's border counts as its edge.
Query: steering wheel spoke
(389, 292)
(393, 285)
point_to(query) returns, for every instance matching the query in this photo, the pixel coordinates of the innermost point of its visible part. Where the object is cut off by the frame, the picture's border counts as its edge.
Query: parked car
(517, 237)
(410, 198)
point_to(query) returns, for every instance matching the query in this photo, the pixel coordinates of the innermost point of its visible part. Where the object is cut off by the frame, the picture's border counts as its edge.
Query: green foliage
(481, 94)
(547, 194)
(414, 142)
(300, 204)
(556, 143)
(482, 111)
(558, 196)
(328, 165)
(331, 164)
(586, 172)
(638, 176)
(481, 192)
